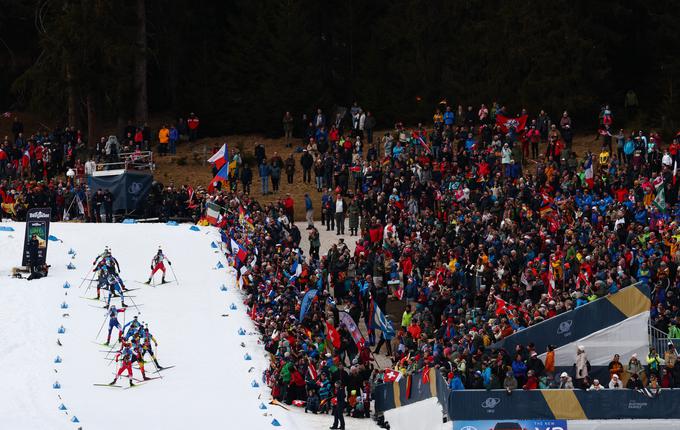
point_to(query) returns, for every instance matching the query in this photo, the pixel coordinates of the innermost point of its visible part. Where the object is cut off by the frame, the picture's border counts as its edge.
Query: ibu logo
(490, 403)
(564, 328)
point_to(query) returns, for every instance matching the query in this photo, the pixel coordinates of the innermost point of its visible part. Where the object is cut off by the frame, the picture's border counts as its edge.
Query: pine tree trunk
(141, 97)
(91, 121)
(72, 103)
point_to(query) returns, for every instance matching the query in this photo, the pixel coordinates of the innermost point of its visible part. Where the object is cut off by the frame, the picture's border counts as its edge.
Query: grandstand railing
(658, 340)
(138, 161)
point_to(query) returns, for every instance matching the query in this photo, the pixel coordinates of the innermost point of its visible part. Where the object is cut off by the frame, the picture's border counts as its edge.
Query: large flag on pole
(307, 302)
(212, 213)
(381, 322)
(221, 157)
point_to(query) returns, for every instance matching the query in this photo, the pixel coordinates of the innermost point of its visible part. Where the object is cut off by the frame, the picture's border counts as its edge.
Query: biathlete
(114, 287)
(113, 322)
(157, 264)
(127, 356)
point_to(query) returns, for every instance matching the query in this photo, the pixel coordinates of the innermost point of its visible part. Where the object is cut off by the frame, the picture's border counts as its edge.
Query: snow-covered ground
(211, 385)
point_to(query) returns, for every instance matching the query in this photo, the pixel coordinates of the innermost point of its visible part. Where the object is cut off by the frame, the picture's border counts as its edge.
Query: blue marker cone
(262, 406)
(194, 228)
(247, 357)
(61, 330)
(241, 332)
(232, 307)
(57, 359)
(64, 305)
(66, 284)
(70, 266)
(213, 245)
(276, 423)
(254, 384)
(56, 385)
(223, 287)
(219, 265)
(62, 407)
(75, 419)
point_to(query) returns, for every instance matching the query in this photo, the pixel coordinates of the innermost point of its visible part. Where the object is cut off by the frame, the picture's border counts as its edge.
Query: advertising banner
(511, 425)
(38, 224)
(347, 321)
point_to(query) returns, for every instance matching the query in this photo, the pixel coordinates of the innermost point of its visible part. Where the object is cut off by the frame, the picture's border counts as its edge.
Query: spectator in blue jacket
(265, 172)
(449, 117)
(172, 139)
(456, 383)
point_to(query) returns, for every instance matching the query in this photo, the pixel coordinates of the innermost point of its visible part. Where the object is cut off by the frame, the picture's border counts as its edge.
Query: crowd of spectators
(482, 228)
(46, 169)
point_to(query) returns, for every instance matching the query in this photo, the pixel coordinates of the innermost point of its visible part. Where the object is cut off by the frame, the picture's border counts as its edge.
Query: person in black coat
(246, 177)
(33, 246)
(338, 417)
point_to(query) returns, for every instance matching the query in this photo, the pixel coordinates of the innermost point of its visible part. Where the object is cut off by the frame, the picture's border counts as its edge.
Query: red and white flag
(313, 374)
(505, 123)
(333, 335)
(391, 375)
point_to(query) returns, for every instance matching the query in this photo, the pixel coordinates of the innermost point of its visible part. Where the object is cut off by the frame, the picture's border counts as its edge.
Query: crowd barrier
(396, 394)
(562, 404)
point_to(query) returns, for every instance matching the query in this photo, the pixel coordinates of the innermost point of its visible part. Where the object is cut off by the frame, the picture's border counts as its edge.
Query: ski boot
(148, 282)
(163, 280)
(124, 305)
(114, 381)
(132, 384)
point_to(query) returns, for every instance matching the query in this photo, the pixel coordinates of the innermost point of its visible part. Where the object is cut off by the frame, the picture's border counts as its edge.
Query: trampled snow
(211, 385)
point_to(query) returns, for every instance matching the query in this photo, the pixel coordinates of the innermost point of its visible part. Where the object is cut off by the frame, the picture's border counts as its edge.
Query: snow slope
(209, 388)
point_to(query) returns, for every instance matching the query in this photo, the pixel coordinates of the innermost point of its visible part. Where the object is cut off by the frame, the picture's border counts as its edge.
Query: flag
(505, 123)
(253, 313)
(222, 176)
(313, 374)
(588, 174)
(551, 281)
(347, 320)
(409, 381)
(657, 182)
(502, 307)
(190, 203)
(241, 214)
(220, 158)
(426, 374)
(333, 335)
(381, 322)
(424, 144)
(391, 375)
(307, 302)
(238, 251)
(212, 212)
(523, 279)
(675, 170)
(660, 199)
(582, 278)
(399, 293)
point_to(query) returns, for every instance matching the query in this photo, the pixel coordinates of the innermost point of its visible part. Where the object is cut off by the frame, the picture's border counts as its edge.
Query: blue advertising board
(511, 425)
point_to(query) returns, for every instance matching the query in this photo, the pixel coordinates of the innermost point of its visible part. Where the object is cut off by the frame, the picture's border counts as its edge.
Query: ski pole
(85, 277)
(173, 274)
(102, 326)
(135, 305)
